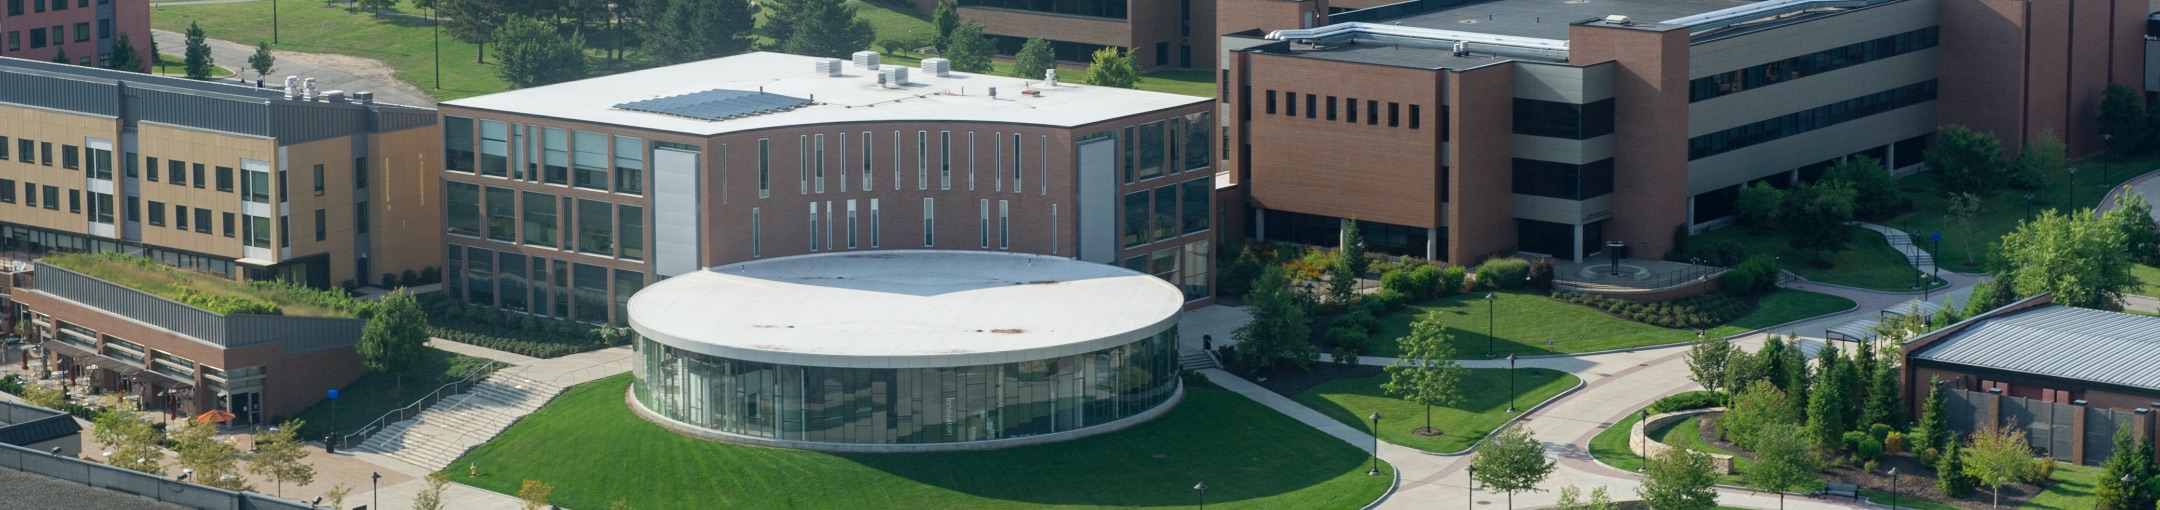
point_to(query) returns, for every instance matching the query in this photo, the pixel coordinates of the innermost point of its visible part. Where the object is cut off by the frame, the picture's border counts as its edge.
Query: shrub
(1894, 443)
(1505, 273)
(389, 280)
(1700, 311)
(1350, 338)
(1926, 455)
(1728, 253)
(1869, 449)
(1451, 281)
(1426, 280)
(1852, 438)
(430, 275)
(1755, 276)
(1684, 401)
(1541, 274)
(1396, 280)
(1387, 300)
(1360, 317)
(1237, 277)
(1879, 431)
(2039, 470)
(514, 332)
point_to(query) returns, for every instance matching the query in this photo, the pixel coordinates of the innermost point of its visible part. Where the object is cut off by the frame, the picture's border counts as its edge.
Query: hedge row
(526, 334)
(1693, 312)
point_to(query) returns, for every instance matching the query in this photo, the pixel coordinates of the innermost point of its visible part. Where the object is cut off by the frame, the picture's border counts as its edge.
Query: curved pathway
(1617, 383)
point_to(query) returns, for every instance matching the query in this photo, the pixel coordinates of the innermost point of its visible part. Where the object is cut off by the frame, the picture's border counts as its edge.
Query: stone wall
(1639, 441)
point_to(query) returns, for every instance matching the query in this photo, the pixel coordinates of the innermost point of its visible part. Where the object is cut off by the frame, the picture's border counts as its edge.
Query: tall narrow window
(944, 160)
(895, 160)
(922, 160)
(873, 223)
(463, 202)
(764, 167)
(757, 247)
(494, 148)
(1416, 117)
(1017, 155)
(502, 214)
(1004, 225)
(971, 161)
(555, 155)
(866, 154)
(630, 232)
(540, 219)
(317, 172)
(819, 169)
(595, 223)
(802, 162)
(997, 158)
(851, 224)
(984, 222)
(840, 168)
(813, 227)
(322, 225)
(929, 222)
(1271, 102)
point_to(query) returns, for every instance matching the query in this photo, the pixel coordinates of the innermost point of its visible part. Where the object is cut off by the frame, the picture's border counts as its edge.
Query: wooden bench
(1843, 489)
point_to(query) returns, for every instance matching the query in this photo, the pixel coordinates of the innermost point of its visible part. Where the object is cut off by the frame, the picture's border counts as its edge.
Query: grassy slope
(1483, 407)
(1250, 457)
(1867, 262)
(2001, 213)
(1524, 322)
(407, 44)
(1610, 446)
(2148, 279)
(370, 396)
(2075, 492)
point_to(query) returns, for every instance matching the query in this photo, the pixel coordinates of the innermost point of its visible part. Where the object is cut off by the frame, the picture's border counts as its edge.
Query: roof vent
(866, 60)
(894, 76)
(292, 87)
(334, 96)
(828, 67)
(1462, 49)
(310, 88)
(1617, 19)
(1050, 77)
(937, 67)
(364, 97)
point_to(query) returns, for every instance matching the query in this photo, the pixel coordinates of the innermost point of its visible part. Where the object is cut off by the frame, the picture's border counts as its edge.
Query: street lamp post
(1375, 446)
(1202, 487)
(2072, 192)
(1490, 301)
(615, 46)
(1470, 496)
(273, 24)
(2104, 157)
(1936, 263)
(1511, 383)
(435, 26)
(375, 489)
(1893, 489)
(2028, 206)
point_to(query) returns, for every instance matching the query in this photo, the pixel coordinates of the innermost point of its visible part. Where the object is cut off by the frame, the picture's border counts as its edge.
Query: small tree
(531, 53)
(430, 497)
(2133, 216)
(1827, 405)
(1991, 293)
(1571, 499)
(1759, 205)
(1782, 460)
(262, 62)
(1708, 359)
(680, 31)
(1815, 217)
(968, 49)
(1934, 431)
(1758, 406)
(281, 457)
(125, 57)
(1678, 480)
(60, 57)
(1113, 68)
(198, 62)
(472, 22)
(2080, 259)
(2042, 156)
(1963, 209)
(337, 493)
(1342, 284)
(945, 19)
(1034, 58)
(2122, 118)
(1967, 161)
(533, 494)
(1237, 278)
(133, 442)
(1885, 405)
(1279, 330)
(1998, 456)
(216, 463)
(1876, 194)
(395, 337)
(1511, 461)
(2112, 493)
(1353, 249)
(42, 396)
(1427, 373)
(1951, 477)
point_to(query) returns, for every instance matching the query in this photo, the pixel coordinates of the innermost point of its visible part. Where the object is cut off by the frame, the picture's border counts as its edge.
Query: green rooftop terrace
(210, 292)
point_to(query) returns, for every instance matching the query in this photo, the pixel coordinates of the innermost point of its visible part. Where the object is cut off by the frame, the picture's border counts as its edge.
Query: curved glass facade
(906, 405)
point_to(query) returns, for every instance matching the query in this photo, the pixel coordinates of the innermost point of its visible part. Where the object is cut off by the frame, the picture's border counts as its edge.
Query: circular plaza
(905, 350)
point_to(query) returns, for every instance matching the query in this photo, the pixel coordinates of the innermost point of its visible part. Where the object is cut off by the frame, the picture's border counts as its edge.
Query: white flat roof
(905, 309)
(853, 97)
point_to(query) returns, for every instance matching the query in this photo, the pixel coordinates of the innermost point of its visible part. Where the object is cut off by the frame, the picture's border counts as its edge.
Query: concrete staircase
(439, 435)
(1197, 360)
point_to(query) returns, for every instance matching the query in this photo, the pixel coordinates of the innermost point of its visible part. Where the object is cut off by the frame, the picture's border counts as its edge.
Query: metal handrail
(458, 444)
(1656, 281)
(470, 378)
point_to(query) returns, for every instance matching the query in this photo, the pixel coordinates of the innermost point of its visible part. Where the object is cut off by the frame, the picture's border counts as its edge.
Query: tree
(1427, 373)
(2081, 259)
(1815, 217)
(1352, 253)
(60, 57)
(1999, 455)
(1934, 431)
(1876, 193)
(262, 61)
(1990, 294)
(125, 57)
(967, 48)
(1342, 284)
(1951, 477)
(2133, 216)
(945, 19)
(1967, 161)
(395, 337)
(43, 396)
(2042, 156)
(1828, 403)
(1113, 68)
(281, 457)
(1511, 461)
(1798, 382)
(818, 28)
(1279, 330)
(533, 494)
(1757, 406)
(1237, 278)
(199, 62)
(1034, 58)
(2112, 493)
(1885, 405)
(680, 31)
(473, 22)
(337, 493)
(1707, 361)
(1759, 205)
(1782, 460)
(1963, 208)
(216, 463)
(1571, 499)
(1678, 480)
(133, 442)
(430, 497)
(530, 53)
(2122, 118)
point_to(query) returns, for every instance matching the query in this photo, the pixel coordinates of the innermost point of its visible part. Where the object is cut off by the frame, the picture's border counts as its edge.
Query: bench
(1843, 489)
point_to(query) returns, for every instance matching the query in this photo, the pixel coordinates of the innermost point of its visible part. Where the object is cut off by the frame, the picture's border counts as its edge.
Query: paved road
(331, 72)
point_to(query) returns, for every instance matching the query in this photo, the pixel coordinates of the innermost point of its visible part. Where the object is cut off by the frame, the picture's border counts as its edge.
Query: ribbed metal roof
(2061, 341)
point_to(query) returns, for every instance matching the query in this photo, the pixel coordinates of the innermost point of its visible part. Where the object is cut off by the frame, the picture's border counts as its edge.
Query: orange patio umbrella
(214, 416)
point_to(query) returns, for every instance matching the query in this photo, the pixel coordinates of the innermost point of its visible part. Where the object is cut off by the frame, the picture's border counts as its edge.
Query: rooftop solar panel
(717, 104)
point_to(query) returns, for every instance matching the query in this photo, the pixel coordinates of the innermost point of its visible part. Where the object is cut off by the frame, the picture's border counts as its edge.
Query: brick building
(1461, 130)
(1160, 33)
(85, 31)
(566, 199)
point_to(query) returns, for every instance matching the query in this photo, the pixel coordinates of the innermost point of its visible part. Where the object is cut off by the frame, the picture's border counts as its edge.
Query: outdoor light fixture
(1375, 446)
(1490, 301)
(1202, 487)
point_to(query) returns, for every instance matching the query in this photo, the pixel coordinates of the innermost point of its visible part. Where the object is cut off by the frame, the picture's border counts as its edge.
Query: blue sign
(333, 394)
(1937, 236)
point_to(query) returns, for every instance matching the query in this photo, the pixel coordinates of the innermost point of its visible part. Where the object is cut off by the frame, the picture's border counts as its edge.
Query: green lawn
(1483, 408)
(1610, 446)
(1250, 457)
(2075, 492)
(1524, 322)
(1867, 262)
(1687, 434)
(370, 396)
(2148, 280)
(2001, 213)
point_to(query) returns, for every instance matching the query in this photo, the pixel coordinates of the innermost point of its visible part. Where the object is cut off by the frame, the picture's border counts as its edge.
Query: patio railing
(471, 376)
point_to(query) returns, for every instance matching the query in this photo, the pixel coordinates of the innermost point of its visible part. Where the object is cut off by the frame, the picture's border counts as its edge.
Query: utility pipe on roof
(1759, 10)
(1353, 28)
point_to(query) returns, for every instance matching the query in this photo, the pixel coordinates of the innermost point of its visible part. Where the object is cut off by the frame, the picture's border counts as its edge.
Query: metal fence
(155, 487)
(1658, 281)
(2051, 428)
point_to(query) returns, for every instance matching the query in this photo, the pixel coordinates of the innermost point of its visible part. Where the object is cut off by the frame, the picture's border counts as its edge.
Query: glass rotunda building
(906, 350)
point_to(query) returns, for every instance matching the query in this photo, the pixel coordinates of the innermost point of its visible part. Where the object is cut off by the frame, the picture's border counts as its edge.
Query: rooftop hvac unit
(866, 60)
(894, 76)
(292, 87)
(309, 86)
(1050, 77)
(1462, 49)
(334, 96)
(364, 97)
(1617, 19)
(937, 67)
(828, 67)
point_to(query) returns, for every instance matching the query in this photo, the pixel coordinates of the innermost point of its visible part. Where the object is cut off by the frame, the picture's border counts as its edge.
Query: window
(502, 214)
(866, 153)
(318, 172)
(74, 201)
(630, 232)
(984, 222)
(1350, 113)
(82, 32)
(104, 26)
(480, 275)
(134, 209)
(1016, 162)
(494, 148)
(45, 153)
(1312, 105)
(1331, 108)
(225, 178)
(15, 8)
(132, 168)
(595, 234)
(629, 165)
(1803, 121)
(150, 167)
(359, 175)
(202, 220)
(24, 147)
(1271, 105)
(627, 283)
(322, 226)
(463, 201)
(540, 219)
(1136, 218)
(37, 37)
(360, 219)
(30, 194)
(1151, 150)
(510, 281)
(757, 247)
(813, 227)
(7, 191)
(52, 198)
(1195, 271)
(14, 41)
(1415, 117)
(764, 167)
(157, 213)
(851, 224)
(555, 151)
(101, 163)
(3, 148)
(873, 223)
(231, 224)
(922, 160)
(1372, 112)
(1761, 75)
(199, 180)
(1166, 212)
(1193, 208)
(176, 172)
(1564, 120)
(1561, 180)
(1394, 115)
(256, 188)
(101, 208)
(1290, 104)
(929, 222)
(588, 155)
(180, 217)
(1004, 225)
(1198, 134)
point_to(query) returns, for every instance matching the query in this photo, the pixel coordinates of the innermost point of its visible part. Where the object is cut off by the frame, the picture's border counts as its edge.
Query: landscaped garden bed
(211, 293)
(530, 335)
